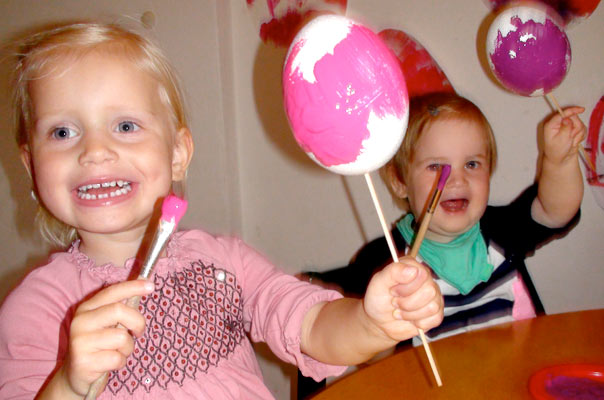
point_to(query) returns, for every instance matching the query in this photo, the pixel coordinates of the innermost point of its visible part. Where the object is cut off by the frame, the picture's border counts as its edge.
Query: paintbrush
(445, 171)
(172, 210)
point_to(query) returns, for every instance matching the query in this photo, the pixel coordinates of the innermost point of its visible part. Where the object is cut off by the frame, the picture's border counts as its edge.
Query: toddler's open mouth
(453, 205)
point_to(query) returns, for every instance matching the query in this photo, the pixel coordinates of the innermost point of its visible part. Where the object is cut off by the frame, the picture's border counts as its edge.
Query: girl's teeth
(123, 188)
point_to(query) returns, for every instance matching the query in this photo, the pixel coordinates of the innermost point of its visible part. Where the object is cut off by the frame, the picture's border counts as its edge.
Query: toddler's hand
(402, 298)
(96, 344)
(562, 137)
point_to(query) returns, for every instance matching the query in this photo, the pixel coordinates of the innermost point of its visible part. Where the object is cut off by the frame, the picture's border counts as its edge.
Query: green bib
(462, 262)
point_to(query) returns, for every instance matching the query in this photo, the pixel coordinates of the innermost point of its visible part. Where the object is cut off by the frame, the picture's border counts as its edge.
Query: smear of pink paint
(422, 73)
(595, 144)
(329, 117)
(281, 29)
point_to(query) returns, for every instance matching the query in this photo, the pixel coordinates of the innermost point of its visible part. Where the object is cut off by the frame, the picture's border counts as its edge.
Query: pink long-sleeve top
(213, 294)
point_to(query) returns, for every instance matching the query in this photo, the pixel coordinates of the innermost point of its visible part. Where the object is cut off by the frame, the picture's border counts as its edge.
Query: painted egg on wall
(345, 95)
(527, 49)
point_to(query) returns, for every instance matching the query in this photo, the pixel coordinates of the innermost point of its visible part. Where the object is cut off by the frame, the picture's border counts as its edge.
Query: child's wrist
(59, 388)
(567, 160)
(375, 331)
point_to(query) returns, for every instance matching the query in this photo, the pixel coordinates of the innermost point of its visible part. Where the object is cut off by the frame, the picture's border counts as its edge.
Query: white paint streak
(526, 37)
(324, 32)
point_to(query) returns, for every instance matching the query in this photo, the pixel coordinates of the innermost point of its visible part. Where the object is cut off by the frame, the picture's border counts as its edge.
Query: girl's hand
(96, 344)
(562, 137)
(402, 298)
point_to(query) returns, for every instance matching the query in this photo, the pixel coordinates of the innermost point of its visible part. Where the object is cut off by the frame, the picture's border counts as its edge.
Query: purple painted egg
(527, 48)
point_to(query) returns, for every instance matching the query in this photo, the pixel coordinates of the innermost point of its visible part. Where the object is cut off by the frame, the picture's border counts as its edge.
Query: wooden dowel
(392, 248)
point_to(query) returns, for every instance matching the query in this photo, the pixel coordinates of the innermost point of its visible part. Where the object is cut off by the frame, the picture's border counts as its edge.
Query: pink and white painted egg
(527, 48)
(345, 95)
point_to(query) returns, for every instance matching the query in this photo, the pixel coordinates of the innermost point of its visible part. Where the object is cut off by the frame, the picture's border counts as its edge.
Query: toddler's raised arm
(560, 182)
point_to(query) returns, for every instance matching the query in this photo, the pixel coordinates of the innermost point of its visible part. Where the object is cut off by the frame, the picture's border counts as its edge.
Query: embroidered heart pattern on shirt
(194, 319)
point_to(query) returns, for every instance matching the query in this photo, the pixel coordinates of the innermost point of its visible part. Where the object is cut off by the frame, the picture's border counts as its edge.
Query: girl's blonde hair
(42, 53)
(427, 109)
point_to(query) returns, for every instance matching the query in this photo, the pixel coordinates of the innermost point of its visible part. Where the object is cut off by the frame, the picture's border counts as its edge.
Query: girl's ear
(181, 154)
(26, 159)
(398, 187)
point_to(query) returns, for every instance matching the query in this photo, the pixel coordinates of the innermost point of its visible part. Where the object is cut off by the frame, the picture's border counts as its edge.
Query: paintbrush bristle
(173, 209)
(444, 175)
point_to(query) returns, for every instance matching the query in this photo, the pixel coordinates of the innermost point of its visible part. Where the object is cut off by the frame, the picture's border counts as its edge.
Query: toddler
(476, 252)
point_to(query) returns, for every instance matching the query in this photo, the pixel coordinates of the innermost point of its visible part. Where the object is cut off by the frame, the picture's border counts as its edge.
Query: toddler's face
(461, 144)
(102, 145)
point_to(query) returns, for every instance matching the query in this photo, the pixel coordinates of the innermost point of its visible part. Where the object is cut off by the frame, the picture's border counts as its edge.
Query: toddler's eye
(63, 133)
(433, 167)
(127, 126)
(472, 164)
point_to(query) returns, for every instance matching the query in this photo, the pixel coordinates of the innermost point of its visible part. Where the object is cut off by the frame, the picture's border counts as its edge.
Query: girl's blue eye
(127, 127)
(63, 133)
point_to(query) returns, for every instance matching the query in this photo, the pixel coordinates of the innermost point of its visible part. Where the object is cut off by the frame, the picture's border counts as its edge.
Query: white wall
(250, 178)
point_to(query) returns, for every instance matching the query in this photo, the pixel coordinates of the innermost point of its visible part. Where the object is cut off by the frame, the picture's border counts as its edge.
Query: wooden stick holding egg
(347, 103)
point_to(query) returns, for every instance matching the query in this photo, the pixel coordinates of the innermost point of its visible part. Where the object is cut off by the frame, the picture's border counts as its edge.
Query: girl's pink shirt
(213, 294)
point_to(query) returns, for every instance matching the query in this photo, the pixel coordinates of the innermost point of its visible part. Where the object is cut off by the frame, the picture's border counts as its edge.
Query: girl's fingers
(105, 361)
(89, 345)
(115, 339)
(109, 315)
(117, 293)
(572, 111)
(407, 278)
(431, 313)
(557, 120)
(416, 300)
(405, 289)
(430, 322)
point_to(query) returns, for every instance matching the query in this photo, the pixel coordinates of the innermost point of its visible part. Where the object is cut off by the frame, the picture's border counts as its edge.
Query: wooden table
(492, 363)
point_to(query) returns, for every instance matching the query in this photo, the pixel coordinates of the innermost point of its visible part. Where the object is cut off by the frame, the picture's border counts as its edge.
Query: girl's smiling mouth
(104, 190)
